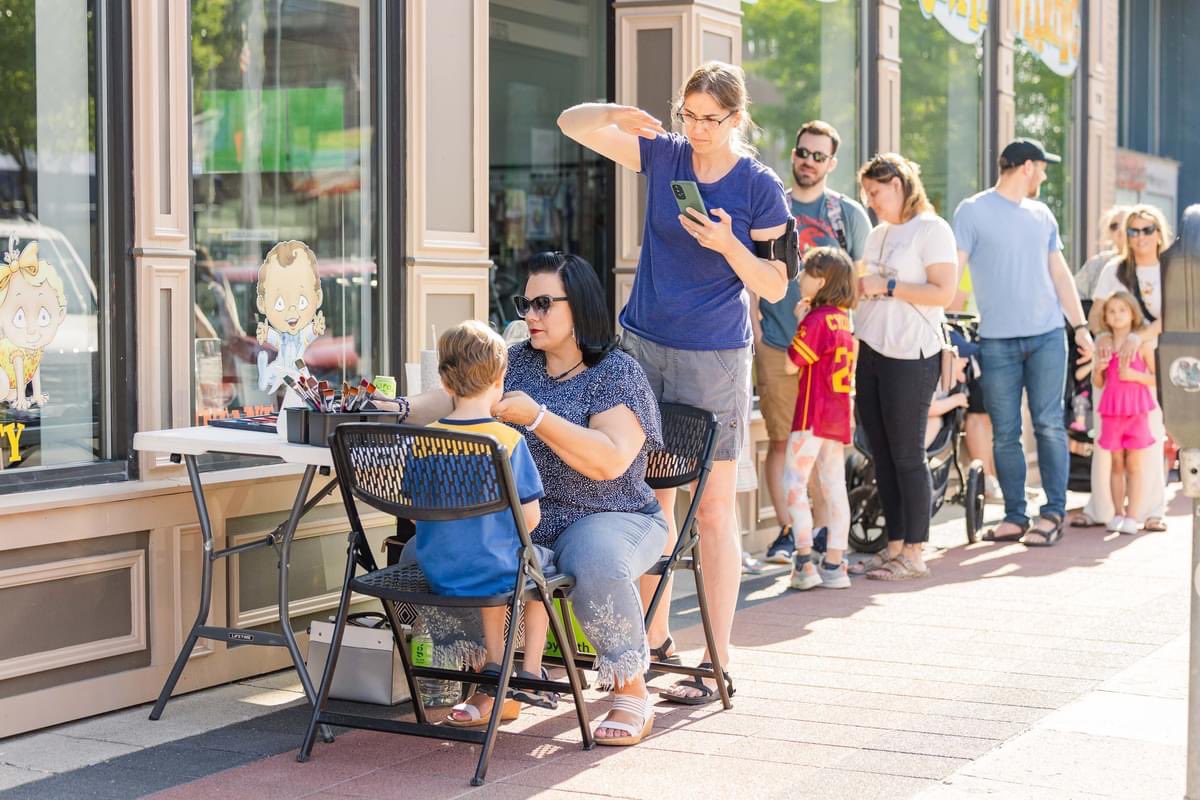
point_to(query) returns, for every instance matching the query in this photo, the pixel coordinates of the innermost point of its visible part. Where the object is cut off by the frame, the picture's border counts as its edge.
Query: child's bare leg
(1134, 484)
(537, 622)
(1117, 481)
(831, 468)
(493, 643)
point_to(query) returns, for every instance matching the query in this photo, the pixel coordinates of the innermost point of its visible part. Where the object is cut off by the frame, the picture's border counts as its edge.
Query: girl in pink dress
(1125, 408)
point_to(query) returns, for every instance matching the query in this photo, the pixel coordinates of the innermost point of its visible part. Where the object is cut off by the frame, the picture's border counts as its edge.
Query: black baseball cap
(1018, 151)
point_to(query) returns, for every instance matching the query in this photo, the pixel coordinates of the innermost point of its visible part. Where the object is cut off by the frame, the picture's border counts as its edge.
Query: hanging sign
(965, 20)
(1052, 30)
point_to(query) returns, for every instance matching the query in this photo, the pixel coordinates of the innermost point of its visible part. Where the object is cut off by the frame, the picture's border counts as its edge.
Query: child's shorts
(1125, 433)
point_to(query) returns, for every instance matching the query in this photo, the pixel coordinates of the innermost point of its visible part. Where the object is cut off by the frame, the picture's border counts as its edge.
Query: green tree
(18, 96)
(1043, 111)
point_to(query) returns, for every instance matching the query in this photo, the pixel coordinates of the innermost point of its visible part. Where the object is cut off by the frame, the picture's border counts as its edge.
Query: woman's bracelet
(405, 408)
(538, 419)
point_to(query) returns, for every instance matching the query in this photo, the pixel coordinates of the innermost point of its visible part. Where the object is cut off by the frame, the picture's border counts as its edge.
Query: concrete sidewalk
(1013, 672)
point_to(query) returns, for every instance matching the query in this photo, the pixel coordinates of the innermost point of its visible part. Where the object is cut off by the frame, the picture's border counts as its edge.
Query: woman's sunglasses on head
(1133, 232)
(537, 305)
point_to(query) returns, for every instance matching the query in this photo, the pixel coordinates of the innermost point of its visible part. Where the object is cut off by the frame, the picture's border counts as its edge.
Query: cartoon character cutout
(289, 295)
(33, 306)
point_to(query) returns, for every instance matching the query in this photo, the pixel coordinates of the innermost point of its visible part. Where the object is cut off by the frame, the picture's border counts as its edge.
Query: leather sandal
(707, 694)
(477, 719)
(660, 654)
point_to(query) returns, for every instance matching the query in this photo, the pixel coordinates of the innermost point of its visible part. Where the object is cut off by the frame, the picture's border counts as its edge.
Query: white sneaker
(804, 575)
(834, 578)
(1129, 526)
(1115, 525)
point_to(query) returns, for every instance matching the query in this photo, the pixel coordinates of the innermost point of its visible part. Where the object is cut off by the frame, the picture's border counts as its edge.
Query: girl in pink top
(1125, 408)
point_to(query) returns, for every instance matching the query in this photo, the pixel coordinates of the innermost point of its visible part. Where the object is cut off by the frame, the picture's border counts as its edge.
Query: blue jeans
(1036, 365)
(606, 553)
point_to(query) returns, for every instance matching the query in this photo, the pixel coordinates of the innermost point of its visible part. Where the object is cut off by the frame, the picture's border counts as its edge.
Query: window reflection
(1044, 106)
(282, 149)
(802, 62)
(545, 191)
(50, 407)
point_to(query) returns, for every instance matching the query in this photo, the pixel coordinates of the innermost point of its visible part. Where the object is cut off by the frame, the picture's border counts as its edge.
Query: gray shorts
(714, 380)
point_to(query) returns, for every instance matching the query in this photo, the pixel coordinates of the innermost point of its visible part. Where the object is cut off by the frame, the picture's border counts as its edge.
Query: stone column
(1101, 121)
(887, 78)
(1006, 102)
(446, 241)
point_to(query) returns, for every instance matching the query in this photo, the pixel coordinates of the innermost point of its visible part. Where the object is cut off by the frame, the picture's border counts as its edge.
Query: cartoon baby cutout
(33, 306)
(289, 294)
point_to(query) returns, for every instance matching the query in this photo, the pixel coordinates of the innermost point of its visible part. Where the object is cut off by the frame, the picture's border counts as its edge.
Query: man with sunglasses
(1023, 289)
(823, 218)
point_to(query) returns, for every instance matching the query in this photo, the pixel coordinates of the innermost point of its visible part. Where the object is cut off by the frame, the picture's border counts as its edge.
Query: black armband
(786, 249)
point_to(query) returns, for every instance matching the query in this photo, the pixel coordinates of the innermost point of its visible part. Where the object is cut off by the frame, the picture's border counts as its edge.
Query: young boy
(478, 556)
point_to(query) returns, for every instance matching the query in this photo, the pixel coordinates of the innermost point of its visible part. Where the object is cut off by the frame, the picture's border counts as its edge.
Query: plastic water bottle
(434, 693)
(1081, 410)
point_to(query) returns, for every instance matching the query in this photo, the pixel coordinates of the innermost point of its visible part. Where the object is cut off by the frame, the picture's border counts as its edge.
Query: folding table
(189, 443)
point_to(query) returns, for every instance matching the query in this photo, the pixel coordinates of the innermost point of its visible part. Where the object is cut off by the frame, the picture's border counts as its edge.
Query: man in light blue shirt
(1023, 289)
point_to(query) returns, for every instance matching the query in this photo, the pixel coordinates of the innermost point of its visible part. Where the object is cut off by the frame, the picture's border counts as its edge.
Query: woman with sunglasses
(688, 318)
(590, 419)
(1112, 244)
(1137, 271)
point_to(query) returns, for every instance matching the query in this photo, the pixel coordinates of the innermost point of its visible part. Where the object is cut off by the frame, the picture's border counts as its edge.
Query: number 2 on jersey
(842, 380)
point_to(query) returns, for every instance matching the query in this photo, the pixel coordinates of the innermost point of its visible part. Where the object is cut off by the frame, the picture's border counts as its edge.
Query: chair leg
(506, 668)
(568, 642)
(710, 640)
(335, 646)
(566, 636)
(414, 692)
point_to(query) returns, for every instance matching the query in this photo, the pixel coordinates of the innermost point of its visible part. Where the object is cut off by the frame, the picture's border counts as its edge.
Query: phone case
(687, 195)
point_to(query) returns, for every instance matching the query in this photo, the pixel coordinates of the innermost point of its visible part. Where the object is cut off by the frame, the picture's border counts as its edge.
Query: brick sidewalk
(1016, 673)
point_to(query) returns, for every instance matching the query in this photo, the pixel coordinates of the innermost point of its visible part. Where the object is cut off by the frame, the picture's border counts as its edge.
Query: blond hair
(725, 83)
(1117, 214)
(33, 271)
(471, 358)
(885, 166)
(284, 255)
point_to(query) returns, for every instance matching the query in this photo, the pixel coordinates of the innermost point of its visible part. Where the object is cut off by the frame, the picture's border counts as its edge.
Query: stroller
(868, 529)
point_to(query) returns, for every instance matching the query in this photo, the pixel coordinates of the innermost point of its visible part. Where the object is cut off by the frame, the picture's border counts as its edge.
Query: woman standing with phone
(688, 318)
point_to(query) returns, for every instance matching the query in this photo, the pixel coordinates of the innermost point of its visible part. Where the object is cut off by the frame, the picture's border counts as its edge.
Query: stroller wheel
(868, 530)
(973, 500)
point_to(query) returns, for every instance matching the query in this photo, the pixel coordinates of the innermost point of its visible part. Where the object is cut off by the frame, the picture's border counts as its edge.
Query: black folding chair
(690, 440)
(432, 474)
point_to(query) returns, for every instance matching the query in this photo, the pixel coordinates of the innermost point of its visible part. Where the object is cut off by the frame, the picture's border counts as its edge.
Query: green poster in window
(302, 129)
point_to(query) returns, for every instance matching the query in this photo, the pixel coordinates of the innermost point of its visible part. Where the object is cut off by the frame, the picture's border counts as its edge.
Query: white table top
(207, 439)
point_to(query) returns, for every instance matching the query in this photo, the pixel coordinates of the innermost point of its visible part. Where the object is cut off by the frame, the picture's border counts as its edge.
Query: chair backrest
(689, 442)
(423, 473)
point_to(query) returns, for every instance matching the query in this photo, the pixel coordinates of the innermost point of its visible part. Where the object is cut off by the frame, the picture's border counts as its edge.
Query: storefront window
(50, 381)
(545, 191)
(1045, 62)
(941, 91)
(284, 197)
(802, 62)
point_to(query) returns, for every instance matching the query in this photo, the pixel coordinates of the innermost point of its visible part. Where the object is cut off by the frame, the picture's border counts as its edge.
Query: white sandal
(510, 711)
(632, 705)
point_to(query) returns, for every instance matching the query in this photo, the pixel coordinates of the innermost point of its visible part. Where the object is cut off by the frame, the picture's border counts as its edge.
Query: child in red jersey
(823, 350)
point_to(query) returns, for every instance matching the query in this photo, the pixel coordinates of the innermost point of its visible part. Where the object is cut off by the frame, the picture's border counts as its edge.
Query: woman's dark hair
(832, 264)
(593, 325)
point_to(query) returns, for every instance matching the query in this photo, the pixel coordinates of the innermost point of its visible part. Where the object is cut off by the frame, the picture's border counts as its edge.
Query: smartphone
(687, 195)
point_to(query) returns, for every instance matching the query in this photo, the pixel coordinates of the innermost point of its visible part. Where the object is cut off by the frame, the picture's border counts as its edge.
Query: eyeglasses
(689, 120)
(1149, 230)
(803, 153)
(538, 305)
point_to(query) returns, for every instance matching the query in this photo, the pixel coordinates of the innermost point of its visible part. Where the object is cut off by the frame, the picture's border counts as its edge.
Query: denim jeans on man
(1036, 365)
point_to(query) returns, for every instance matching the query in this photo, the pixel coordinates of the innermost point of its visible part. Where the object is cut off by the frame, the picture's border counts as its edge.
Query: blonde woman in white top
(910, 276)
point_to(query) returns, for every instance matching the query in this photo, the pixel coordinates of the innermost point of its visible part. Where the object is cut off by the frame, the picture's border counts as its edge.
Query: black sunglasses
(816, 156)
(1149, 230)
(539, 305)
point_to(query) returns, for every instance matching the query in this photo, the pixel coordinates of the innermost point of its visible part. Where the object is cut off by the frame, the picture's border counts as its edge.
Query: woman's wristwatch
(891, 287)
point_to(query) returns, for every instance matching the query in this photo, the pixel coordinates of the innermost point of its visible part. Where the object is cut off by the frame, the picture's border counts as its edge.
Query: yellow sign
(1052, 30)
(965, 20)
(10, 436)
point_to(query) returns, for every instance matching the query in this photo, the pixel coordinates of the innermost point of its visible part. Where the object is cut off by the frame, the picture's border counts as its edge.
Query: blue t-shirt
(1008, 246)
(476, 556)
(684, 295)
(815, 230)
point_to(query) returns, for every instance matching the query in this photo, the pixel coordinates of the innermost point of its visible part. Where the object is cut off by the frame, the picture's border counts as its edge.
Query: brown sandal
(898, 569)
(871, 564)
